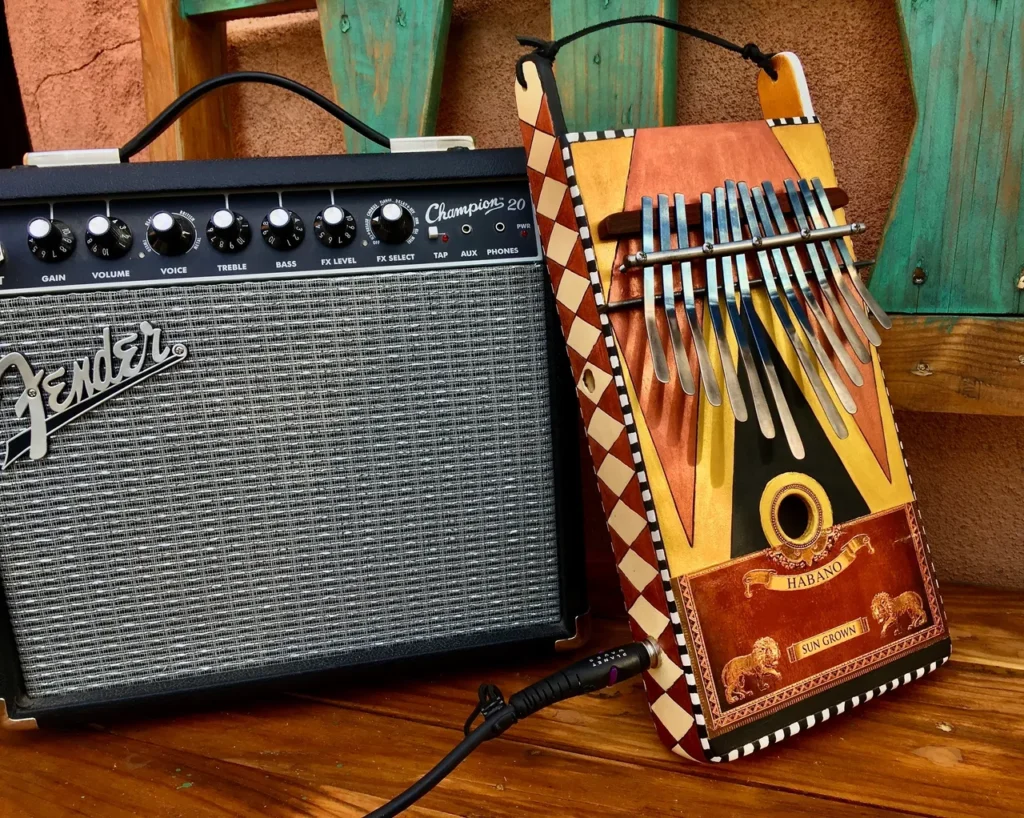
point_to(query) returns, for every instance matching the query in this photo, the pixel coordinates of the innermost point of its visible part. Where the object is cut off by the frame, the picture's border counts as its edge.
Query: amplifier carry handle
(168, 115)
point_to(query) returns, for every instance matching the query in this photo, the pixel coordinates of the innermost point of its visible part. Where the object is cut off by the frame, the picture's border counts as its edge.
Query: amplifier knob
(171, 234)
(334, 227)
(282, 229)
(107, 237)
(228, 232)
(391, 223)
(50, 239)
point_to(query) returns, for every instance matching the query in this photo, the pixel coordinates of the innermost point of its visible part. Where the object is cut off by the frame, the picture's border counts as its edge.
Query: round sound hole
(794, 516)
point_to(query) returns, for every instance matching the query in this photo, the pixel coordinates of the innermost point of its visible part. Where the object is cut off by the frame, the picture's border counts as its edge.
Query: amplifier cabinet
(265, 418)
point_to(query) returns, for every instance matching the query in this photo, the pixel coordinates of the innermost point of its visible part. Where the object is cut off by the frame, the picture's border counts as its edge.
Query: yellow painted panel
(602, 170)
(712, 512)
(807, 149)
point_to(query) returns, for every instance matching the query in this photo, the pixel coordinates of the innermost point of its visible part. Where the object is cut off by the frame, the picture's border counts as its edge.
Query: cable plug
(590, 674)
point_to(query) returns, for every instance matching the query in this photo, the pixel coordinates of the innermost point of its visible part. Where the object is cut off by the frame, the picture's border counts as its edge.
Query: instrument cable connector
(588, 675)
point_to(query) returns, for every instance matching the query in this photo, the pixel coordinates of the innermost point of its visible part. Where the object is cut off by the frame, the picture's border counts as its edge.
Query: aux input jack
(467, 229)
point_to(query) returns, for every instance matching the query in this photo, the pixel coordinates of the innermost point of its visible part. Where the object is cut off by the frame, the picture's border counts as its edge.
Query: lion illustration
(887, 611)
(758, 665)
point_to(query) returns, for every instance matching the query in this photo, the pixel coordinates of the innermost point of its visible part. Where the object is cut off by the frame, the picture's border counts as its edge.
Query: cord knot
(754, 54)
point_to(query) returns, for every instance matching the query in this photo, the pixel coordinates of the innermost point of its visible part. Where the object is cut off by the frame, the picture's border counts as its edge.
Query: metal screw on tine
(845, 398)
(834, 418)
(872, 303)
(847, 293)
(824, 283)
(810, 299)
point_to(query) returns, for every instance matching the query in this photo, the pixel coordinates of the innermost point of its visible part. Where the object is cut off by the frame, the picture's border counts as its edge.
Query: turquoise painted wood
(386, 59)
(618, 78)
(227, 9)
(957, 213)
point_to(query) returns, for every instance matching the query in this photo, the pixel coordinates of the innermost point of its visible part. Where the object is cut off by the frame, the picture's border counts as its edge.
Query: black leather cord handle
(550, 48)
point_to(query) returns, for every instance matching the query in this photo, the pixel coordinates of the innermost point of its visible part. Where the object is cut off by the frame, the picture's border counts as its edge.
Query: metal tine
(707, 371)
(668, 289)
(650, 317)
(732, 384)
(842, 392)
(732, 308)
(834, 418)
(881, 316)
(761, 343)
(858, 312)
(809, 297)
(824, 283)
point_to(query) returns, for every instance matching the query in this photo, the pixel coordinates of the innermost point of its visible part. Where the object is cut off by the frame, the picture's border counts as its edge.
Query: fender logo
(113, 370)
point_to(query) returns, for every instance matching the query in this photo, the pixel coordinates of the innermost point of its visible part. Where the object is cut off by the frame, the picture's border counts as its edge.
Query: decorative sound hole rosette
(796, 516)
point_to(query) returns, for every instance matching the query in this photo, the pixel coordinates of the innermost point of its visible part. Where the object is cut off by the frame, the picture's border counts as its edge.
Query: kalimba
(723, 344)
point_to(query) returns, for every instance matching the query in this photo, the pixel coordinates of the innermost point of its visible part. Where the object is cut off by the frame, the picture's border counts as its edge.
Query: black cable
(593, 673)
(550, 48)
(167, 116)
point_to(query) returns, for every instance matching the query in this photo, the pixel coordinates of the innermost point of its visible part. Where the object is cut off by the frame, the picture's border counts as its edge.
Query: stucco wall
(79, 68)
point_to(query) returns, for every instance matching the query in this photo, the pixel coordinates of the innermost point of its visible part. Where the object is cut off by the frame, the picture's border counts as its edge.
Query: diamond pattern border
(607, 414)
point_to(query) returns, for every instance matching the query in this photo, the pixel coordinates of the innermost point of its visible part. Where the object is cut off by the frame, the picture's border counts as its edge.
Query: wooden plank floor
(950, 745)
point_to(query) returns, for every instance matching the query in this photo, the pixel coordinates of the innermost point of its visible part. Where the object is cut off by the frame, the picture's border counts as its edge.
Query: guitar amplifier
(268, 418)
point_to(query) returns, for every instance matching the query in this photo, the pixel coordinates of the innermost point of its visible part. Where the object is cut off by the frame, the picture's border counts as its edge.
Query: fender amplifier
(264, 418)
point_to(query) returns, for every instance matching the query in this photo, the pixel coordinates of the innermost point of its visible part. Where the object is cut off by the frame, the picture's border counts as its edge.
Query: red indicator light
(524, 233)
(444, 237)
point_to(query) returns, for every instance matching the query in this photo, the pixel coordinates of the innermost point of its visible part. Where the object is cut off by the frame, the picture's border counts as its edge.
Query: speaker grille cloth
(339, 464)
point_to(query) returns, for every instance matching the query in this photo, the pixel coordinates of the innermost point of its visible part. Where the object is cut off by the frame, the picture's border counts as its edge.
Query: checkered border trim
(631, 430)
(593, 136)
(793, 120)
(691, 683)
(826, 714)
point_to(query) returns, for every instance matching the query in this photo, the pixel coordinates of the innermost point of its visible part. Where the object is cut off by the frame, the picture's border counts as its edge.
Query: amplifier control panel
(221, 236)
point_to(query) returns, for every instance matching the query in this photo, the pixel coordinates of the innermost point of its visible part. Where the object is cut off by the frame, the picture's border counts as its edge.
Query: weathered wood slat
(962, 718)
(386, 61)
(955, 364)
(176, 55)
(93, 773)
(957, 213)
(239, 9)
(950, 745)
(987, 627)
(618, 78)
(382, 754)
